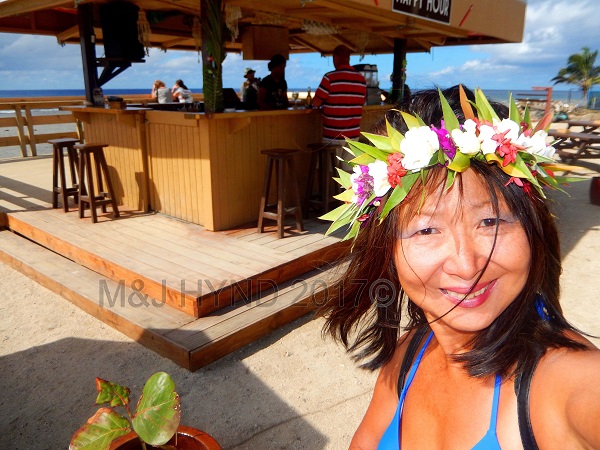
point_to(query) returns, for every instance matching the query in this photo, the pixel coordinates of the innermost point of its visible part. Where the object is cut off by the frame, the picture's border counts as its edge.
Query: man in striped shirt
(342, 94)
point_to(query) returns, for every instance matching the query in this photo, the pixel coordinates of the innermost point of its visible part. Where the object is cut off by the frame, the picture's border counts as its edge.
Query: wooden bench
(589, 126)
(584, 145)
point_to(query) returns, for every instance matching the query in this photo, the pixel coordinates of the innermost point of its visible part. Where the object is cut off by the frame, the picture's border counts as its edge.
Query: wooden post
(20, 130)
(87, 42)
(30, 130)
(548, 97)
(399, 70)
(213, 54)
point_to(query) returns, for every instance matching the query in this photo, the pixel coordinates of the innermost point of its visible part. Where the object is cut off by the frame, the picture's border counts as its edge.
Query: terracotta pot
(187, 439)
(595, 191)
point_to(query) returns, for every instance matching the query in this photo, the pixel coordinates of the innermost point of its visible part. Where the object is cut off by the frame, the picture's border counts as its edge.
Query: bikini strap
(411, 351)
(522, 389)
(495, 402)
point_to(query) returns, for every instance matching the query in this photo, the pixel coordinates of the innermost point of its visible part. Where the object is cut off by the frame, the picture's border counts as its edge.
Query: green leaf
(394, 135)
(484, 106)
(381, 142)
(399, 193)
(526, 117)
(370, 150)
(343, 178)
(345, 196)
(450, 120)
(363, 160)
(112, 393)
(353, 231)
(158, 411)
(450, 179)
(100, 430)
(412, 121)
(336, 213)
(460, 163)
(514, 114)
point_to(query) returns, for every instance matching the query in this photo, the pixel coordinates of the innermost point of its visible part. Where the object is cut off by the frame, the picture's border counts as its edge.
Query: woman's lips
(464, 299)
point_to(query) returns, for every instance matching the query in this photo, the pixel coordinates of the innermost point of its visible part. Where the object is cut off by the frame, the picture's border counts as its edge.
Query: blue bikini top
(391, 437)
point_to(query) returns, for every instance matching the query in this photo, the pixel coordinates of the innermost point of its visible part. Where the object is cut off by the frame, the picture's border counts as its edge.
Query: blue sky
(553, 31)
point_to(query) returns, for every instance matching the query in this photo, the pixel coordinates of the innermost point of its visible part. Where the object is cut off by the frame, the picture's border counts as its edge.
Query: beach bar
(205, 169)
(188, 183)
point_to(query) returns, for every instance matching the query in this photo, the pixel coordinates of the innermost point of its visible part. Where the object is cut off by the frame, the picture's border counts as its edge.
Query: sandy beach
(290, 390)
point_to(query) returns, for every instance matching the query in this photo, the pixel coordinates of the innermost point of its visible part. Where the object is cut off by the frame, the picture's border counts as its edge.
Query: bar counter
(205, 169)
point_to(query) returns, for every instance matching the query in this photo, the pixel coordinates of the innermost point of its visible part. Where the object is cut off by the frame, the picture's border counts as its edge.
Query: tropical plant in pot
(154, 424)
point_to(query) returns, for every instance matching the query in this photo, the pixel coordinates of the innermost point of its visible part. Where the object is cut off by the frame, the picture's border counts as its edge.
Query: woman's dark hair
(364, 309)
(180, 83)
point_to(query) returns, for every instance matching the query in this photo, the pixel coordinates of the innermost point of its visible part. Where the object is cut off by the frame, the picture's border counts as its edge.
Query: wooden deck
(189, 294)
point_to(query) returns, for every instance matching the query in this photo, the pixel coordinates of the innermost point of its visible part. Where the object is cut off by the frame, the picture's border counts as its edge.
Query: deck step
(190, 342)
(157, 264)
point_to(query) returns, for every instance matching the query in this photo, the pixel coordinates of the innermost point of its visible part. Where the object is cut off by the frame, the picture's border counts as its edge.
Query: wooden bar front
(205, 169)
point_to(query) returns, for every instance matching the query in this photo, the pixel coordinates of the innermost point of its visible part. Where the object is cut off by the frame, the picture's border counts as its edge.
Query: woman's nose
(466, 256)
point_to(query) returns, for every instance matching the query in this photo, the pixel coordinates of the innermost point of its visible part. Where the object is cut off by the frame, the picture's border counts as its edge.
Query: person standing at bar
(272, 90)
(341, 94)
(250, 89)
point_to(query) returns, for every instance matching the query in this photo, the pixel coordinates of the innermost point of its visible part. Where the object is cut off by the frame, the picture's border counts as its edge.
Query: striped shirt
(343, 92)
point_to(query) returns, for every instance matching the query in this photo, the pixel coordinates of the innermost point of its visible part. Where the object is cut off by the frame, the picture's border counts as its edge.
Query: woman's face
(444, 248)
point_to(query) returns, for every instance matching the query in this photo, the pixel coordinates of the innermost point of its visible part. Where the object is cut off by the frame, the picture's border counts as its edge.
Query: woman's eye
(490, 222)
(427, 231)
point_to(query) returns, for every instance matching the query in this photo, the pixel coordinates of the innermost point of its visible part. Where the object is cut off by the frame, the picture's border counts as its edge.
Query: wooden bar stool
(282, 160)
(87, 193)
(323, 162)
(59, 179)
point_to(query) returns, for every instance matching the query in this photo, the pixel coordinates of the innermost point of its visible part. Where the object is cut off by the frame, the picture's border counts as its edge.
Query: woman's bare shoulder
(566, 395)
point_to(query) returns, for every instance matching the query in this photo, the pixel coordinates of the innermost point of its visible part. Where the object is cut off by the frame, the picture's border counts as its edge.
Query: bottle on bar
(308, 99)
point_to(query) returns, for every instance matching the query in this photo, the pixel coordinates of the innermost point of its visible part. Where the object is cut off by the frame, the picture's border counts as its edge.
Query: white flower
(512, 127)
(488, 145)
(378, 170)
(418, 146)
(466, 141)
(536, 144)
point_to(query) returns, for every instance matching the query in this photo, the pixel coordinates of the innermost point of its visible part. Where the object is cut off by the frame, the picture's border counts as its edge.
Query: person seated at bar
(181, 93)
(272, 90)
(161, 93)
(250, 89)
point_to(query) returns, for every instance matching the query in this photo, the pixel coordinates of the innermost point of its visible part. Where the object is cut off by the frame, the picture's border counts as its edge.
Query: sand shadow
(45, 398)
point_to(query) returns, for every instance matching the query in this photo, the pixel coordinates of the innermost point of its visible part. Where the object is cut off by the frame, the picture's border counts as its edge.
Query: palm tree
(580, 71)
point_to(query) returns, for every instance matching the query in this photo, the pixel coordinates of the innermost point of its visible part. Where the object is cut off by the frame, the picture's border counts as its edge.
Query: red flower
(395, 169)
(506, 149)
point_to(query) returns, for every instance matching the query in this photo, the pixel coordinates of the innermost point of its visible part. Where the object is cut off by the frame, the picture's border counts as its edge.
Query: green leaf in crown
(386, 170)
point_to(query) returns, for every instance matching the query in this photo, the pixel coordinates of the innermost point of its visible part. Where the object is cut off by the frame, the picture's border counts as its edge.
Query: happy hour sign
(438, 10)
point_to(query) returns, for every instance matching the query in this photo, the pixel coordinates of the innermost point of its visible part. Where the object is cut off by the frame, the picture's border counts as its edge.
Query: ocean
(567, 96)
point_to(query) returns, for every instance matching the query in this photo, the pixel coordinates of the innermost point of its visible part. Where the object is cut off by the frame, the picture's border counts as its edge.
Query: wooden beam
(68, 33)
(179, 7)
(344, 41)
(366, 13)
(14, 7)
(306, 44)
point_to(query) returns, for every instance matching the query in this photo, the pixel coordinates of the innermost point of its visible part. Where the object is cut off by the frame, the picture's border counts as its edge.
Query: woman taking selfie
(453, 236)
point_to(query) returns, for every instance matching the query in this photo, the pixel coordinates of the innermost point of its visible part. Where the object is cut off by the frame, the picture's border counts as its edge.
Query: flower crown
(396, 162)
